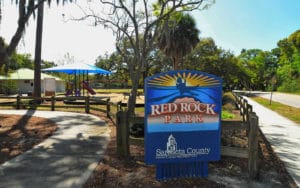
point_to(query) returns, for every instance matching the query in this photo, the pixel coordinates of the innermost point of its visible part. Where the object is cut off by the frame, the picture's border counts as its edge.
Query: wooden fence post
(250, 119)
(108, 107)
(243, 108)
(122, 134)
(18, 102)
(119, 106)
(246, 114)
(253, 146)
(87, 104)
(240, 101)
(249, 110)
(52, 103)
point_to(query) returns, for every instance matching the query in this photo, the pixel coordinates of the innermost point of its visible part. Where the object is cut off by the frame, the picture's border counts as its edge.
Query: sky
(79, 40)
(248, 24)
(233, 24)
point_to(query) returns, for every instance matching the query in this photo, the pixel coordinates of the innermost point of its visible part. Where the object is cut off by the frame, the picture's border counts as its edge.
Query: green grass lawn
(289, 112)
(227, 115)
(226, 111)
(115, 90)
(295, 93)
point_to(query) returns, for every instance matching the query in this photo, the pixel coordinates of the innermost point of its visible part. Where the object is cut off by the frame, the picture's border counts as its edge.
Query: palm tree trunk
(175, 63)
(38, 51)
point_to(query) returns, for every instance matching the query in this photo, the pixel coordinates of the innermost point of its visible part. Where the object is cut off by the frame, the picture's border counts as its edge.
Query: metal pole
(75, 91)
(271, 94)
(83, 83)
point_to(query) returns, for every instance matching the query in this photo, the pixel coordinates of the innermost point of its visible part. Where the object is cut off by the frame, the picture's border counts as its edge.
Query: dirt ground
(20, 133)
(114, 171)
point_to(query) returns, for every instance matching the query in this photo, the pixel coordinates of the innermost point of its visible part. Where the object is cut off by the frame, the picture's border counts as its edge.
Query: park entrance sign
(182, 118)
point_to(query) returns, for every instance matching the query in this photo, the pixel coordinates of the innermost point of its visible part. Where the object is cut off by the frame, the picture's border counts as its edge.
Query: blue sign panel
(182, 118)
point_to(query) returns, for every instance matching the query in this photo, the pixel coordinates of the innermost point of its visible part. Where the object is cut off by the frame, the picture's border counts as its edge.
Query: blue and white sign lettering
(182, 117)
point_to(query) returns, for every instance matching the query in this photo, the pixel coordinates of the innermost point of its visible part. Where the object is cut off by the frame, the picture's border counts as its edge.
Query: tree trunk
(124, 135)
(22, 20)
(38, 51)
(132, 97)
(175, 63)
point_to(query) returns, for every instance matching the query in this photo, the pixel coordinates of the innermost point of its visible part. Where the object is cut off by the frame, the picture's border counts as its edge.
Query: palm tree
(26, 10)
(178, 37)
(38, 50)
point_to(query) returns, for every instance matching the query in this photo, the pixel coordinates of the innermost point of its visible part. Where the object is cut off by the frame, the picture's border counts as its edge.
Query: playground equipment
(77, 92)
(69, 88)
(77, 70)
(85, 85)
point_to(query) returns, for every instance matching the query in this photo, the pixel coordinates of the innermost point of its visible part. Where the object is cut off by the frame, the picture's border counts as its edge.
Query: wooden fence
(51, 103)
(249, 119)
(249, 123)
(103, 104)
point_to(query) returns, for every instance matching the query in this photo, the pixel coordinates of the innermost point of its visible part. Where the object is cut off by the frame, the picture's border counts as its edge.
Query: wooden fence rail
(249, 119)
(87, 103)
(250, 123)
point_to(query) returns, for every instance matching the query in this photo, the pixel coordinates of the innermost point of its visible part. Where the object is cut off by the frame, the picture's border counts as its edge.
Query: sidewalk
(65, 159)
(283, 135)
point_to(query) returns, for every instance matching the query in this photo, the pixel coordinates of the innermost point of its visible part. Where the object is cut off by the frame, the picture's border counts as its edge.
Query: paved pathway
(283, 135)
(66, 159)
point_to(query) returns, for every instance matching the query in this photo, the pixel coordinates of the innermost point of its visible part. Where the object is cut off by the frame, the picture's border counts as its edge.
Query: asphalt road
(288, 99)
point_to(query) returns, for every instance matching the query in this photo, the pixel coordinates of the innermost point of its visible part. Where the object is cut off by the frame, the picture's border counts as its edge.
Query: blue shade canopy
(77, 69)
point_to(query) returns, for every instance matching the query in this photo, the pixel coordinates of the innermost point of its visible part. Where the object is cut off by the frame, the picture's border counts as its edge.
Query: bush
(8, 87)
(290, 86)
(228, 102)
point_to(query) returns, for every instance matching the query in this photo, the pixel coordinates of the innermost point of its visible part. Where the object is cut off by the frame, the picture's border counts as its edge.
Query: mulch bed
(114, 171)
(20, 133)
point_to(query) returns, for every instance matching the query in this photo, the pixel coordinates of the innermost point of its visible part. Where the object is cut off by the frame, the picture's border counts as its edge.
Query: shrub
(290, 86)
(228, 102)
(8, 87)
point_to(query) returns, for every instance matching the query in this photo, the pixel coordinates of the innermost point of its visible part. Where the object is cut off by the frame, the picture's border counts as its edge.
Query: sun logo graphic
(183, 79)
